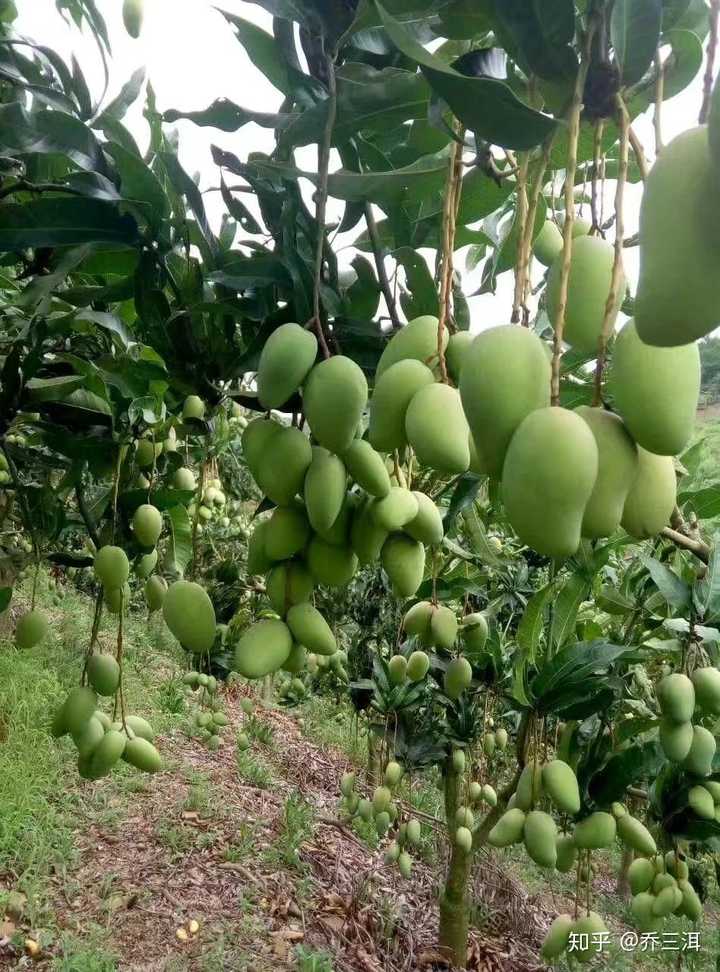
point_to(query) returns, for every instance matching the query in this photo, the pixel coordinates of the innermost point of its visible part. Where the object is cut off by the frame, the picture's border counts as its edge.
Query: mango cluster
(383, 811)
(568, 474)
(660, 887)
(100, 742)
(683, 703)
(209, 718)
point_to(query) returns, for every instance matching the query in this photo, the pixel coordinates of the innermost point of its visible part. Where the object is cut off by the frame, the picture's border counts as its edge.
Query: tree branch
(379, 255)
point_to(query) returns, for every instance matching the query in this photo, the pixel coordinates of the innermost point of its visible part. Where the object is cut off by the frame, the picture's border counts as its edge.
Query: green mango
(474, 634)
(309, 627)
(155, 590)
(656, 390)
(418, 339)
(258, 562)
(651, 500)
(296, 660)
(133, 12)
(456, 352)
(396, 510)
(566, 854)
(417, 621)
(529, 788)
(556, 940)
(678, 294)
(509, 828)
(347, 784)
(561, 785)
(591, 267)
(111, 566)
(641, 875)
(706, 682)
(507, 377)
(331, 566)
(103, 673)
(89, 738)
(142, 755)
(285, 362)
(390, 400)
(366, 535)
(405, 865)
(78, 709)
(477, 466)
(190, 615)
(590, 925)
(339, 533)
(147, 525)
(185, 478)
(141, 727)
(282, 467)
(334, 398)
(634, 834)
(287, 532)
(488, 795)
(617, 469)
(675, 739)
(288, 584)
(393, 774)
(676, 697)
(665, 902)
(117, 598)
(501, 738)
(256, 439)
(702, 752)
(443, 627)
(463, 839)
(418, 666)
(146, 452)
(107, 753)
(540, 835)
(641, 907)
(458, 761)
(31, 628)
(414, 831)
(403, 560)
(596, 831)
(397, 666)
(437, 429)
(382, 798)
(458, 677)
(700, 800)
(548, 478)
(367, 468)
(146, 564)
(548, 243)
(324, 490)
(427, 525)
(263, 649)
(692, 906)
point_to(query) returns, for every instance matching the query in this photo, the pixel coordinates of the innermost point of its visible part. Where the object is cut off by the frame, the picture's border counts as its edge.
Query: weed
(308, 960)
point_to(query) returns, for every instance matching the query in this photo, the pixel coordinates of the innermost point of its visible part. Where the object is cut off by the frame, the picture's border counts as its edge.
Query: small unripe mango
(287, 357)
(334, 397)
(418, 340)
(437, 429)
(651, 499)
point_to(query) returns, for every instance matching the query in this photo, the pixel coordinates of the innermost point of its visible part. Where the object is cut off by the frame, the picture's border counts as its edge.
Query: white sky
(192, 57)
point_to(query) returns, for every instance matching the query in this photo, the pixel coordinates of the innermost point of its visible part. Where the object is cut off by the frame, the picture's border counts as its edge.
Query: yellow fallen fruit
(193, 927)
(32, 947)
(181, 935)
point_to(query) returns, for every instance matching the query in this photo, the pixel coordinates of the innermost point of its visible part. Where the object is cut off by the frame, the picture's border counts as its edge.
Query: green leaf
(565, 609)
(532, 622)
(708, 589)
(262, 50)
(180, 537)
(186, 187)
(139, 184)
(634, 33)
(612, 601)
(6, 594)
(484, 105)
(363, 296)
(464, 495)
(626, 768)
(229, 117)
(49, 133)
(705, 503)
(479, 538)
(128, 95)
(421, 296)
(673, 588)
(63, 221)
(543, 31)
(572, 667)
(413, 181)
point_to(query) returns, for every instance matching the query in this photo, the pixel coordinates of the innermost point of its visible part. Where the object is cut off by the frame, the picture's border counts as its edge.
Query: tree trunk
(267, 689)
(373, 756)
(454, 921)
(623, 881)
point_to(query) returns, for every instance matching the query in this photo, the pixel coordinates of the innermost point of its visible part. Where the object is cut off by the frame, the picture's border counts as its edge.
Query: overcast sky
(192, 57)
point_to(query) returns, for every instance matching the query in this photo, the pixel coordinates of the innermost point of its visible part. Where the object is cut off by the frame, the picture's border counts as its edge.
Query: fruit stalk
(453, 189)
(570, 169)
(523, 224)
(617, 271)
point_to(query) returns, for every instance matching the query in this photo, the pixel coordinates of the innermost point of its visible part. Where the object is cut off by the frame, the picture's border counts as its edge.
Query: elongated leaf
(542, 31)
(140, 184)
(673, 588)
(572, 665)
(634, 33)
(627, 768)
(229, 117)
(479, 538)
(565, 609)
(262, 50)
(421, 295)
(49, 133)
(127, 96)
(708, 589)
(484, 105)
(63, 221)
(463, 496)
(705, 503)
(185, 186)
(612, 601)
(532, 622)
(181, 537)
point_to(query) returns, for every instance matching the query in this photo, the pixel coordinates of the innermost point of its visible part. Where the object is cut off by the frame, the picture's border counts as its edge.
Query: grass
(297, 826)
